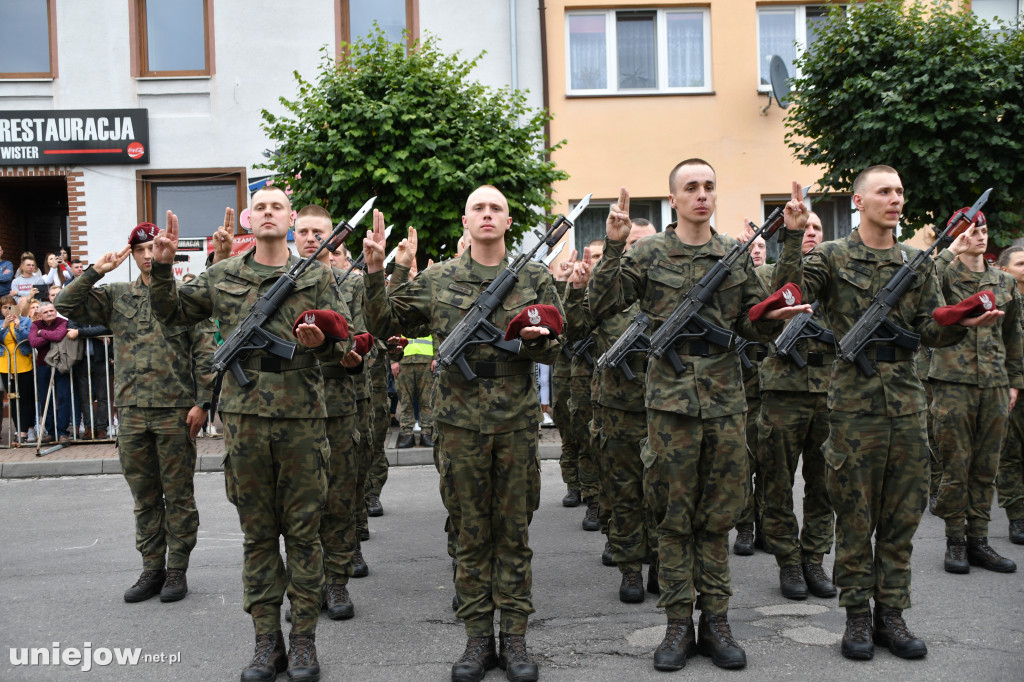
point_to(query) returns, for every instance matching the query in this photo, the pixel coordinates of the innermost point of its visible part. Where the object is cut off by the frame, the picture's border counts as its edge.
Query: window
(1006, 10)
(198, 197)
(591, 224)
(356, 17)
(624, 52)
(27, 45)
(173, 38)
(787, 32)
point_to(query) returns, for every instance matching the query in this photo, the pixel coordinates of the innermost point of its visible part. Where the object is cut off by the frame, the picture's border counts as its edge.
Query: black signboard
(74, 136)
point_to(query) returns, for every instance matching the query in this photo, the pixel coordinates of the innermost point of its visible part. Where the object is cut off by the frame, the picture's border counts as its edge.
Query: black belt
(820, 359)
(701, 348)
(276, 365)
(334, 372)
(889, 353)
(489, 370)
(758, 356)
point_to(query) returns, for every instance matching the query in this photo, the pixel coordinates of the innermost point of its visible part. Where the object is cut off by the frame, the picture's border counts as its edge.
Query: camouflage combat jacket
(153, 362)
(987, 357)
(610, 387)
(845, 275)
(782, 374)
(227, 291)
(438, 298)
(343, 386)
(656, 273)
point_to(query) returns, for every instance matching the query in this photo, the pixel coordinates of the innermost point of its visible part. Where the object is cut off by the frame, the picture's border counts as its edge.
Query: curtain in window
(777, 33)
(588, 56)
(685, 37)
(637, 50)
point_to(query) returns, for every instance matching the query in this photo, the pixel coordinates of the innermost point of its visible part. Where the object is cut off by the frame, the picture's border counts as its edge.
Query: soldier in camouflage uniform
(696, 480)
(377, 469)
(561, 392)
(620, 424)
(974, 387)
(581, 413)
(1010, 479)
(276, 460)
(415, 379)
(793, 425)
(876, 451)
(487, 429)
(162, 408)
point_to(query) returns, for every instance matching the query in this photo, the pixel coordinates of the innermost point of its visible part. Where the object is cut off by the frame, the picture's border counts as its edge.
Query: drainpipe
(514, 43)
(544, 74)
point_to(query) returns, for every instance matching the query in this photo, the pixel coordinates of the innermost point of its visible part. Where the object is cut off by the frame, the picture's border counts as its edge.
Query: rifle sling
(490, 370)
(276, 365)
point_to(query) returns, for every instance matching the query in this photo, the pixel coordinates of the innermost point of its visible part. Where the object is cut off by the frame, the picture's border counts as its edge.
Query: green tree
(932, 92)
(411, 128)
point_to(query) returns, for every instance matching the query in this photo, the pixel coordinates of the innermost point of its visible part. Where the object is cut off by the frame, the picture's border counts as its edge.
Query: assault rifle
(633, 340)
(800, 327)
(581, 349)
(475, 328)
(685, 321)
(250, 335)
(742, 345)
(874, 326)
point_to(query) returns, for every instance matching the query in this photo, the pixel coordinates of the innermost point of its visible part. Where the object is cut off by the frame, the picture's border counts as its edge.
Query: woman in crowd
(16, 367)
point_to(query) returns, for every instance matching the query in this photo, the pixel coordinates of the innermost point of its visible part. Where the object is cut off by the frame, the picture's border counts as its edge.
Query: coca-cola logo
(136, 150)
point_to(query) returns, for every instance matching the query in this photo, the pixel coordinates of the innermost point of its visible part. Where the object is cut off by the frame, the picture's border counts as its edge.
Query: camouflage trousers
(878, 482)
(366, 413)
(338, 522)
(158, 461)
(581, 411)
(569, 459)
(450, 500)
(794, 426)
(618, 439)
(377, 473)
(1010, 480)
(935, 462)
(696, 484)
(496, 482)
(753, 511)
(414, 384)
(275, 473)
(970, 425)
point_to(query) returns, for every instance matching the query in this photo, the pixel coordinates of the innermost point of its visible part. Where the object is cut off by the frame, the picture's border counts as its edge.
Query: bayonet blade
(391, 256)
(982, 200)
(553, 255)
(580, 208)
(361, 213)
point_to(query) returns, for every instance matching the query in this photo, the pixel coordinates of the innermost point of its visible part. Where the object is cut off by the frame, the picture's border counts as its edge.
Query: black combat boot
(572, 498)
(818, 581)
(478, 658)
(980, 553)
(891, 632)
(405, 440)
(149, 584)
(1017, 531)
(373, 505)
(679, 644)
(268, 660)
(653, 586)
(591, 520)
(302, 663)
(792, 583)
(175, 586)
(714, 639)
(759, 541)
(857, 644)
(339, 606)
(359, 567)
(606, 555)
(956, 556)
(364, 534)
(744, 545)
(631, 591)
(513, 659)
(933, 501)
(426, 441)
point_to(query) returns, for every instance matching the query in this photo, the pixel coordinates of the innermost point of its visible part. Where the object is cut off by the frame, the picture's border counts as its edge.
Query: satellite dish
(778, 76)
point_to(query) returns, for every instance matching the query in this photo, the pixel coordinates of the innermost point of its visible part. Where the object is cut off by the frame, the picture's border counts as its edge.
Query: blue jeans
(62, 391)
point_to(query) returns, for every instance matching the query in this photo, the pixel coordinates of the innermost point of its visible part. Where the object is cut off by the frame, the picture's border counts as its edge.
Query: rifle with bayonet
(685, 322)
(801, 327)
(250, 335)
(874, 326)
(633, 340)
(475, 328)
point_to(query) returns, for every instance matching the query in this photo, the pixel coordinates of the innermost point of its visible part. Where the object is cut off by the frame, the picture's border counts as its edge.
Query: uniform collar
(861, 251)
(713, 247)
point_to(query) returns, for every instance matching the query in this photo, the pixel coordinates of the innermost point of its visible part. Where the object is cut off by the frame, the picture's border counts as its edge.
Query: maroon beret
(788, 295)
(536, 316)
(332, 324)
(981, 302)
(142, 233)
(362, 343)
(398, 342)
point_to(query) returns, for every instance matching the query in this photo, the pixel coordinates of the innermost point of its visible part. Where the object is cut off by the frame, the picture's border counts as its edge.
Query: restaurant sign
(74, 136)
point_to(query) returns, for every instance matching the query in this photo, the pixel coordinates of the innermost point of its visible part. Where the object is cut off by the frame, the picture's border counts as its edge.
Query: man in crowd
(53, 388)
(1010, 480)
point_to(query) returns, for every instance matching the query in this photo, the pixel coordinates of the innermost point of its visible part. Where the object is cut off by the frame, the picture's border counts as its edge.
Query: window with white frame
(626, 52)
(787, 31)
(1005, 10)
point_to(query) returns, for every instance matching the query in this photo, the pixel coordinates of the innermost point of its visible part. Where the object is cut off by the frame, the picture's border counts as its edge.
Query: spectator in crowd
(187, 277)
(77, 267)
(52, 292)
(56, 270)
(91, 377)
(6, 274)
(16, 367)
(45, 331)
(28, 283)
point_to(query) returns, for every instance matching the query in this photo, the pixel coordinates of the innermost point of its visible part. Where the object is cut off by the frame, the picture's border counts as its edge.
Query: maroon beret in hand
(536, 316)
(785, 297)
(332, 324)
(981, 302)
(362, 343)
(142, 233)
